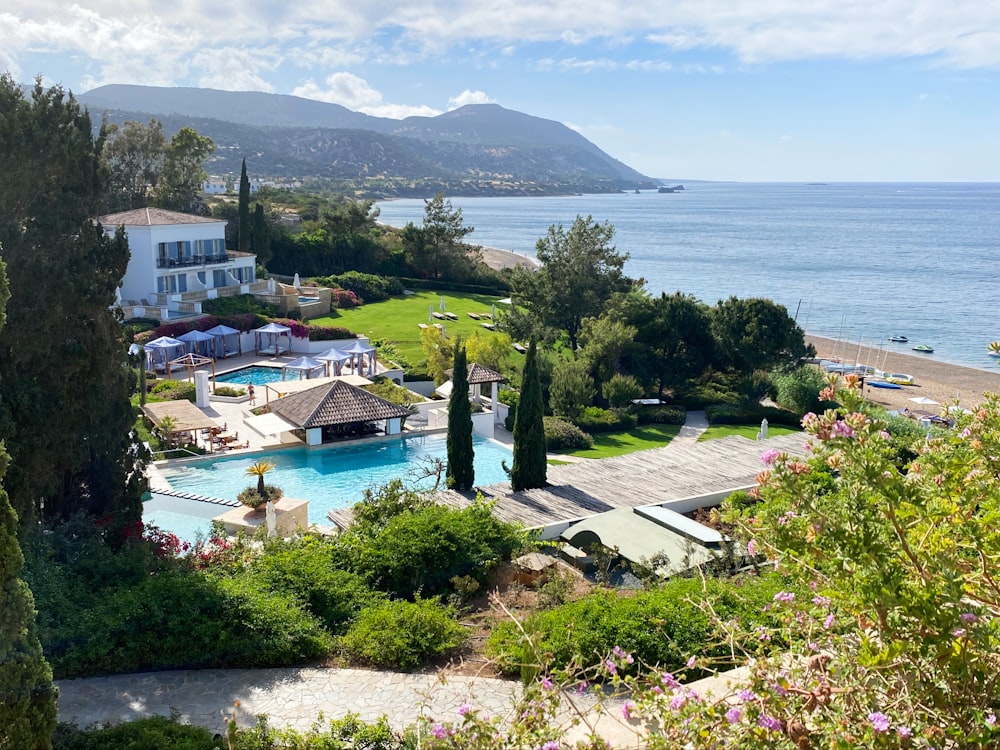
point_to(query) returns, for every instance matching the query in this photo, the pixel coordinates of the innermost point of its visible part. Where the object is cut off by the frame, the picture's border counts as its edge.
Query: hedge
(743, 414)
(594, 419)
(561, 434)
(662, 414)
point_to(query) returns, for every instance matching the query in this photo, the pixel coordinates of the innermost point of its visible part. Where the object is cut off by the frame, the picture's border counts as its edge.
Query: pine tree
(529, 429)
(27, 696)
(65, 378)
(245, 234)
(461, 471)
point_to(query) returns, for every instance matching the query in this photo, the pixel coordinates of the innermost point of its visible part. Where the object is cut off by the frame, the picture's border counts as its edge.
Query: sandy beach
(940, 381)
(499, 259)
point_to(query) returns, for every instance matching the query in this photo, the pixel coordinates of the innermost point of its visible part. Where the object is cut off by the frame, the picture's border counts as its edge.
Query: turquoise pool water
(335, 478)
(255, 374)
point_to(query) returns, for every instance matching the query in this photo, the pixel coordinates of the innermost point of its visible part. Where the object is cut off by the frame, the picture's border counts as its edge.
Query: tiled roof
(480, 374)
(335, 403)
(154, 217)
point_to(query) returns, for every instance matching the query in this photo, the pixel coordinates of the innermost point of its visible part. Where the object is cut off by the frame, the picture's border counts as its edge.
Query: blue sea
(853, 261)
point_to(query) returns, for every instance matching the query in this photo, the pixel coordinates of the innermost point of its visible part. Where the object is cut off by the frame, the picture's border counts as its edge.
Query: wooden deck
(644, 478)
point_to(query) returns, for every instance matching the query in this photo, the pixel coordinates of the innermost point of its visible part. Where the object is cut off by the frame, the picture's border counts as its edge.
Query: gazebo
(359, 353)
(162, 350)
(267, 339)
(478, 375)
(337, 410)
(227, 341)
(306, 367)
(335, 360)
(191, 362)
(199, 342)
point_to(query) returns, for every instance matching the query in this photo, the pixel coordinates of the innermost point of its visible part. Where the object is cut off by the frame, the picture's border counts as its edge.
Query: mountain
(476, 149)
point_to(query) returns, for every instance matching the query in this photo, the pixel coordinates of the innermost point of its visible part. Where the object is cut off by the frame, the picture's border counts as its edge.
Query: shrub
(158, 732)
(403, 634)
(621, 390)
(253, 499)
(799, 389)
(385, 388)
(366, 287)
(229, 391)
(238, 304)
(422, 549)
(174, 390)
(711, 388)
(563, 435)
(572, 389)
(329, 333)
(734, 414)
(594, 419)
(305, 569)
(663, 626)
(344, 299)
(662, 414)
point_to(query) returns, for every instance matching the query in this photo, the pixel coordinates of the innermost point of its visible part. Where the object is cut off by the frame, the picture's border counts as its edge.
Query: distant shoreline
(941, 381)
(498, 259)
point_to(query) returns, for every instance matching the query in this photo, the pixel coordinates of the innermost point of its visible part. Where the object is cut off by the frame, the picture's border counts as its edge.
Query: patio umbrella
(924, 401)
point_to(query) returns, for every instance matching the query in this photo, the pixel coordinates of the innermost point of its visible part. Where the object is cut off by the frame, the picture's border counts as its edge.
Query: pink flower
(967, 617)
(821, 601)
(546, 683)
(880, 722)
(751, 548)
(991, 720)
(669, 680)
(627, 708)
(691, 662)
(464, 709)
(842, 429)
(768, 457)
(746, 696)
(733, 715)
(784, 596)
(769, 723)
(611, 667)
(904, 731)
(885, 435)
(828, 622)
(439, 731)
(550, 745)
(958, 632)
(678, 701)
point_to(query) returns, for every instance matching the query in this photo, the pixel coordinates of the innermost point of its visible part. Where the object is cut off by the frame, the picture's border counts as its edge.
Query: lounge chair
(473, 315)
(422, 326)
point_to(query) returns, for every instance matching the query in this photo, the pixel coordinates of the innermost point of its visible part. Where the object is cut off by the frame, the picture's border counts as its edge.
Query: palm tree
(166, 429)
(994, 348)
(258, 470)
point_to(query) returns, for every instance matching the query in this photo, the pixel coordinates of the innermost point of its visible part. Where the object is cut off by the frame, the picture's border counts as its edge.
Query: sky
(751, 90)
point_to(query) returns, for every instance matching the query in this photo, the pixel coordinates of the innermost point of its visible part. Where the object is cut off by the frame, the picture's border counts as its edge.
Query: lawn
(398, 319)
(743, 430)
(609, 444)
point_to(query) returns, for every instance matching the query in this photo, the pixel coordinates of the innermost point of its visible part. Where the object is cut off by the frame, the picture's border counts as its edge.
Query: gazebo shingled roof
(335, 403)
(479, 374)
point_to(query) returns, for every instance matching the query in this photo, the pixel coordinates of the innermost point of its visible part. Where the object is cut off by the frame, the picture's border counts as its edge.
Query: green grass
(743, 430)
(397, 320)
(609, 444)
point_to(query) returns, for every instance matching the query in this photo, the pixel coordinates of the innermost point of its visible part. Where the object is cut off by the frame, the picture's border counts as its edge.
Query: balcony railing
(198, 260)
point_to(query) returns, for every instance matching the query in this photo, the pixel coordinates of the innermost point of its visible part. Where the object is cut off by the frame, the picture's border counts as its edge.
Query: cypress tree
(529, 429)
(461, 472)
(27, 695)
(261, 236)
(245, 230)
(65, 378)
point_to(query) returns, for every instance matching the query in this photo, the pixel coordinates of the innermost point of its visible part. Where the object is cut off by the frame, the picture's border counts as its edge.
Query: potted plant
(257, 497)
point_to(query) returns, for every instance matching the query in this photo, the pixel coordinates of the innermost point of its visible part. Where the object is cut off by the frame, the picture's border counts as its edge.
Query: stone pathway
(296, 697)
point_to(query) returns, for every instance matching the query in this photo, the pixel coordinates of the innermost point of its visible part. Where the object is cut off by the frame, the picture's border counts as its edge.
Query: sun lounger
(488, 326)
(451, 316)
(473, 315)
(422, 326)
(439, 316)
(520, 347)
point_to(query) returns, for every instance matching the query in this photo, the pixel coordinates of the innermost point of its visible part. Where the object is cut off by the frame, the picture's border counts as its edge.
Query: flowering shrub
(342, 298)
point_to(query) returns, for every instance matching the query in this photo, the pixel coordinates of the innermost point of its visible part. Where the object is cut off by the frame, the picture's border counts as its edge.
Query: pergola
(191, 362)
(478, 375)
(220, 333)
(199, 342)
(186, 416)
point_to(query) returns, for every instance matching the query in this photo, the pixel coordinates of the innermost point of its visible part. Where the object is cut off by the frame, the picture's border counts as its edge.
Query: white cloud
(469, 97)
(234, 69)
(355, 93)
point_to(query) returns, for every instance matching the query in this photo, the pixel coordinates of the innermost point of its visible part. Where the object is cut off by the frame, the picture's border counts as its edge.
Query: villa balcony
(201, 260)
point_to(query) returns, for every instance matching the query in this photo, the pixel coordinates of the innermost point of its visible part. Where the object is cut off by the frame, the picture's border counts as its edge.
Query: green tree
(798, 390)
(572, 389)
(243, 206)
(184, 171)
(490, 349)
(757, 334)
(437, 352)
(621, 390)
(261, 246)
(604, 342)
(461, 472)
(673, 341)
(529, 466)
(437, 249)
(65, 378)
(133, 157)
(27, 696)
(580, 271)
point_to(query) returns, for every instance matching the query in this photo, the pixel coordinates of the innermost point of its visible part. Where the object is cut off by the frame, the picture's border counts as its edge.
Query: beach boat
(883, 384)
(923, 348)
(899, 378)
(898, 339)
(994, 349)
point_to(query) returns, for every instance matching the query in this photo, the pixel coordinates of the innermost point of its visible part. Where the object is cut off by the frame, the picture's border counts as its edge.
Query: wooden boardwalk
(644, 478)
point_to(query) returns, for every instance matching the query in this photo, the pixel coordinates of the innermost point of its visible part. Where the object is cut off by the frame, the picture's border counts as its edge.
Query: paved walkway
(295, 697)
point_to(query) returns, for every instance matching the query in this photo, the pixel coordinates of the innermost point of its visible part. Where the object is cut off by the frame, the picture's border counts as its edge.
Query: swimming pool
(255, 374)
(336, 477)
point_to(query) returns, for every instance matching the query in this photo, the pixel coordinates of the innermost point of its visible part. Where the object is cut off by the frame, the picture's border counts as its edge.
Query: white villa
(177, 261)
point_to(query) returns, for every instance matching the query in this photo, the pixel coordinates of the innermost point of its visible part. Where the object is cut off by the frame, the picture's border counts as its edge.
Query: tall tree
(673, 340)
(245, 238)
(133, 157)
(529, 467)
(261, 245)
(437, 248)
(184, 172)
(64, 374)
(461, 472)
(580, 272)
(757, 334)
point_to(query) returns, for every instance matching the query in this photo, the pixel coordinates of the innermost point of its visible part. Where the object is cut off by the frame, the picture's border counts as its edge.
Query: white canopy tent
(363, 356)
(335, 360)
(162, 350)
(227, 341)
(306, 367)
(267, 339)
